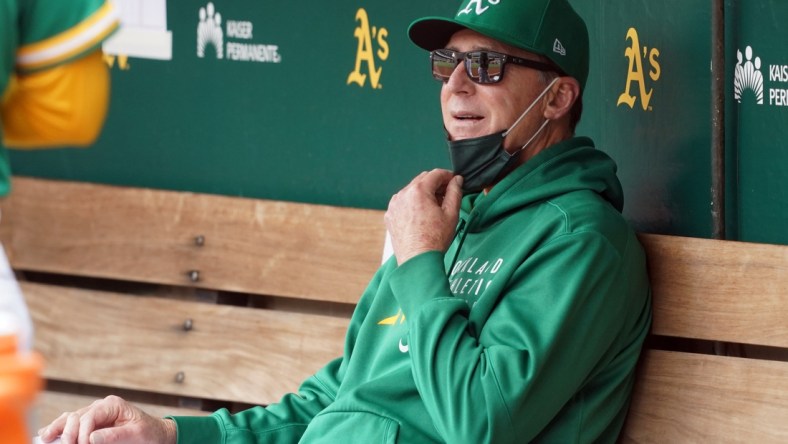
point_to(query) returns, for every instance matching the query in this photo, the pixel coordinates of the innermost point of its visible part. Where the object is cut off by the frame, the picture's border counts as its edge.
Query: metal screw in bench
(179, 377)
(188, 325)
(194, 275)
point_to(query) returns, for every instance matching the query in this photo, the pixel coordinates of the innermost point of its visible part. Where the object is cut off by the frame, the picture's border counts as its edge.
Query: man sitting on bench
(517, 301)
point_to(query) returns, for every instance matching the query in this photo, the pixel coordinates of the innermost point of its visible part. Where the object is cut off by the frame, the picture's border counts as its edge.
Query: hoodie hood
(572, 165)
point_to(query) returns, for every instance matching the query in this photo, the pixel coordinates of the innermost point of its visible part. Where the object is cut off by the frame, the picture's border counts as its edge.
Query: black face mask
(481, 160)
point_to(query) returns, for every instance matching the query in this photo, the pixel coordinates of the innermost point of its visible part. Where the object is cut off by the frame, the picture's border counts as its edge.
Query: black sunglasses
(483, 67)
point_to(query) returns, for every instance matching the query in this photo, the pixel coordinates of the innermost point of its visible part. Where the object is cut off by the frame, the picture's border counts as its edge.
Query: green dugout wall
(328, 102)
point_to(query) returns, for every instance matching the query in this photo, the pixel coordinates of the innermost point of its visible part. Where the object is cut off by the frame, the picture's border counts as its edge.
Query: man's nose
(459, 80)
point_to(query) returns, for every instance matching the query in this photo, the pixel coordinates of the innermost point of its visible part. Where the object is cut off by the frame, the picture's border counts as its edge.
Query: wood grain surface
(691, 398)
(231, 353)
(719, 290)
(245, 245)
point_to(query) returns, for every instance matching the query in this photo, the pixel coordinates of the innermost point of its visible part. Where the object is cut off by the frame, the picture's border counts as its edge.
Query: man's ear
(562, 97)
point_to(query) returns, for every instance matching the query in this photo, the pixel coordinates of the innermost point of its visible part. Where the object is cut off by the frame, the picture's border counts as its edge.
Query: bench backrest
(194, 240)
(162, 255)
(734, 294)
(169, 337)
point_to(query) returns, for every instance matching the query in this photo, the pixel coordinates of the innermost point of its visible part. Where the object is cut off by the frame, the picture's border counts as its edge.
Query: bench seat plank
(683, 397)
(719, 290)
(143, 235)
(232, 353)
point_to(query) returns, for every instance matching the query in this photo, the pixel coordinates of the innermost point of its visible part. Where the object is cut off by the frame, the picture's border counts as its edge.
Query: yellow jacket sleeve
(62, 106)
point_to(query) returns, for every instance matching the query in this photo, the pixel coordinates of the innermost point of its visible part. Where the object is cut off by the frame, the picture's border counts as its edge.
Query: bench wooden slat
(49, 405)
(250, 246)
(683, 397)
(719, 290)
(232, 353)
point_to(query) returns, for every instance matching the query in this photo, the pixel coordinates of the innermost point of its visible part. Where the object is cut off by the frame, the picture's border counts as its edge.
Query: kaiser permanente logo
(748, 79)
(233, 41)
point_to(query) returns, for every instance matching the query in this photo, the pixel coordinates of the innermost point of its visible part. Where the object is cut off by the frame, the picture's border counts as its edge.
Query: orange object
(20, 382)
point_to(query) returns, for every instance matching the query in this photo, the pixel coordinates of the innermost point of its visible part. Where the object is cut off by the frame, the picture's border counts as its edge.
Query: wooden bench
(713, 299)
(183, 300)
(185, 303)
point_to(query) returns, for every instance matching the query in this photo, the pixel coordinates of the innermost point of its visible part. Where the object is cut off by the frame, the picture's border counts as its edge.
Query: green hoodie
(534, 336)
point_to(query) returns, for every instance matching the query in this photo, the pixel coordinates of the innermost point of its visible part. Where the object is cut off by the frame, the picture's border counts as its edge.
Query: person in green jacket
(517, 300)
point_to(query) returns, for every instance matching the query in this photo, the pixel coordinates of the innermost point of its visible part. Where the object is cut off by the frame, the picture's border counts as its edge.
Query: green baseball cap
(550, 28)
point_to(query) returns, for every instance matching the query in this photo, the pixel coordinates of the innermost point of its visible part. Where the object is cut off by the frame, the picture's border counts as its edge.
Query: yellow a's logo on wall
(636, 73)
(365, 54)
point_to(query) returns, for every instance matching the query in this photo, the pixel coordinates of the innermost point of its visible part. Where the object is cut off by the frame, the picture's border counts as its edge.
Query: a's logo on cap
(558, 48)
(747, 76)
(480, 8)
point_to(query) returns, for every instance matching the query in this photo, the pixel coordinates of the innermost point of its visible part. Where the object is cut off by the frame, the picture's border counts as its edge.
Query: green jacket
(533, 336)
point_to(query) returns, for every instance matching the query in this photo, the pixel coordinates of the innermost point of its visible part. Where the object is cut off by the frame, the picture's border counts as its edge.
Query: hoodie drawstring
(462, 234)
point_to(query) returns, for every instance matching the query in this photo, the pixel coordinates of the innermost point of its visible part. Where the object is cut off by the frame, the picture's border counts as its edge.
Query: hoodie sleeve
(555, 325)
(285, 421)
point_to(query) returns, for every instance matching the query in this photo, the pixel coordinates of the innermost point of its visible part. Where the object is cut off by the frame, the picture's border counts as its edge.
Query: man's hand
(423, 215)
(111, 420)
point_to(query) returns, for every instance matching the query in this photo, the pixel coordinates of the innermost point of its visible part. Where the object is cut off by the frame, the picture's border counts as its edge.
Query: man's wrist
(408, 255)
(170, 431)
